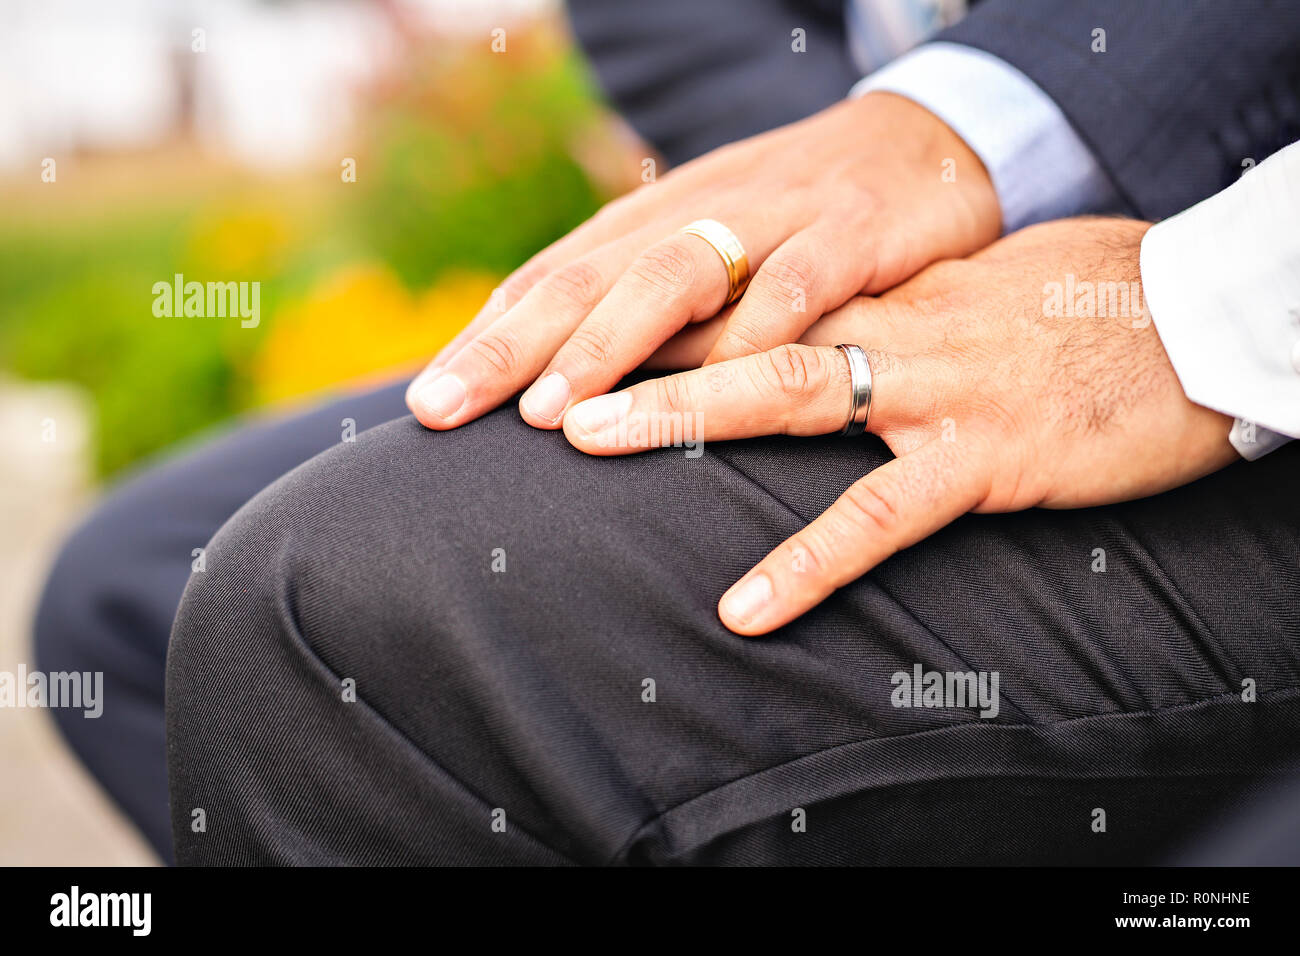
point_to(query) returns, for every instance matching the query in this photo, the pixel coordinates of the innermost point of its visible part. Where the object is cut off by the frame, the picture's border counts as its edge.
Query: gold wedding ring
(726, 245)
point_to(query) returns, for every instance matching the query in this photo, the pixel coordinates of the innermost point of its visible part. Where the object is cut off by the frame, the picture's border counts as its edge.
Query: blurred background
(376, 165)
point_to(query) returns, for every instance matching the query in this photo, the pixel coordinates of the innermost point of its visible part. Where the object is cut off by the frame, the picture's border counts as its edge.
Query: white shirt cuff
(1251, 441)
(1039, 166)
(1222, 283)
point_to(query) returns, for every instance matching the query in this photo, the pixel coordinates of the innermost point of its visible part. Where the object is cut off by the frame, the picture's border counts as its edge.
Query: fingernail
(746, 598)
(443, 396)
(598, 414)
(547, 398)
(426, 375)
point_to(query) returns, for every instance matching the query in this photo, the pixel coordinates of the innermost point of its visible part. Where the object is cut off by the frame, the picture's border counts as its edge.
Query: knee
(349, 624)
(265, 702)
(240, 600)
(301, 559)
(356, 557)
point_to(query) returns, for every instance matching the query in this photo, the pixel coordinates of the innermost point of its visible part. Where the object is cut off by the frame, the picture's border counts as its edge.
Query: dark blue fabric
(692, 75)
(1186, 91)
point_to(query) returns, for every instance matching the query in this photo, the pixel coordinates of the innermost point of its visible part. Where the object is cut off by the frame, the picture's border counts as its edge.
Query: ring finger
(789, 390)
(680, 280)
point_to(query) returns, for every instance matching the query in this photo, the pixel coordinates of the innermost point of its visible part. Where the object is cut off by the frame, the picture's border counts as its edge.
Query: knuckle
(499, 350)
(790, 369)
(667, 267)
(741, 337)
(788, 276)
(593, 342)
(869, 263)
(672, 393)
(578, 284)
(863, 202)
(867, 509)
(813, 553)
(518, 283)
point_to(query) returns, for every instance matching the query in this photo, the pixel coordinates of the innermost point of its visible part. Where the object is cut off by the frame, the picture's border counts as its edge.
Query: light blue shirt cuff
(1039, 166)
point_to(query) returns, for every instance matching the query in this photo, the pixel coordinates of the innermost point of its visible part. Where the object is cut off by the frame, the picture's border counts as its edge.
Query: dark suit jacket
(1186, 91)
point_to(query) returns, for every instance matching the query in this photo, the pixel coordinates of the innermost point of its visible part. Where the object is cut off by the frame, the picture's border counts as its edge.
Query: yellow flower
(359, 323)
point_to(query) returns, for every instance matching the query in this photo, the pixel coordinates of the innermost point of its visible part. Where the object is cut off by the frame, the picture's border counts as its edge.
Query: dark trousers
(481, 646)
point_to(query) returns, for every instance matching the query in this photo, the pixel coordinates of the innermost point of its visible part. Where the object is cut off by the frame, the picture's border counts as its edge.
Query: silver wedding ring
(860, 386)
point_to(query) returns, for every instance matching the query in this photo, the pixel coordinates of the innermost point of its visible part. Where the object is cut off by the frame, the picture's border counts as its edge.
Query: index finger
(893, 507)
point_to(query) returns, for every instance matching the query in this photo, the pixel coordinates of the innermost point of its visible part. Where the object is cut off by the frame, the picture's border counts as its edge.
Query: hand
(854, 198)
(989, 397)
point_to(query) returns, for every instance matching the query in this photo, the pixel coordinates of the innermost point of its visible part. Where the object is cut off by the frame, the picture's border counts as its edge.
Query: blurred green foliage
(468, 165)
(75, 304)
(494, 181)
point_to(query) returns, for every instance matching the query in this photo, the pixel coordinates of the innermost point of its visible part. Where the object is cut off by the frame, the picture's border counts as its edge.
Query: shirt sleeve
(1039, 166)
(1222, 283)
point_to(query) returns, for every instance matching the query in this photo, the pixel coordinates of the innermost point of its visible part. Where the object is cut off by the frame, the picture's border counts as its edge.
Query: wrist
(942, 166)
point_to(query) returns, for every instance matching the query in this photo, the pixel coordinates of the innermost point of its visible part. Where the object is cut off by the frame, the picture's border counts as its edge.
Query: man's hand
(1028, 375)
(856, 198)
